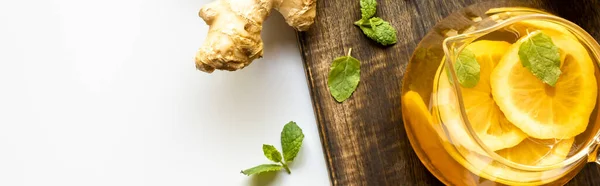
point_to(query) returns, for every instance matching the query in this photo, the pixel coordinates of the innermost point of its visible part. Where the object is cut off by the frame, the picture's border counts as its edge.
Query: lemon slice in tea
(538, 152)
(532, 152)
(540, 110)
(485, 117)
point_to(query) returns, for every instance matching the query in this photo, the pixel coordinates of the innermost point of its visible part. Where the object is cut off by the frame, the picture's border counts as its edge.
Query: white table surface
(106, 93)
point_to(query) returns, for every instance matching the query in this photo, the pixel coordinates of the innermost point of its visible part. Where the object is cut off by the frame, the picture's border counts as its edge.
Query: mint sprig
(375, 28)
(541, 57)
(291, 141)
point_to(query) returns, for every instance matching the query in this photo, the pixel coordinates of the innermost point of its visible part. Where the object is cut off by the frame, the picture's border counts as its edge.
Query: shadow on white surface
(264, 179)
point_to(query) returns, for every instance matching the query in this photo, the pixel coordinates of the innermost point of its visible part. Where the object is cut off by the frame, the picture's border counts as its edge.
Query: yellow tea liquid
(441, 138)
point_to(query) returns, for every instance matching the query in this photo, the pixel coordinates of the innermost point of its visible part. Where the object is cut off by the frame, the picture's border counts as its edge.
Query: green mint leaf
(272, 153)
(343, 78)
(378, 30)
(368, 8)
(467, 69)
(540, 56)
(360, 22)
(291, 141)
(262, 168)
(376, 21)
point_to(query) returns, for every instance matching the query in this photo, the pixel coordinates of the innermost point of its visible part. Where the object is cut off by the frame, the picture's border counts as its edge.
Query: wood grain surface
(364, 139)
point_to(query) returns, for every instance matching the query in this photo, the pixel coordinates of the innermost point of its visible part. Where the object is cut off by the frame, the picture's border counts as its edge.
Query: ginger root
(234, 40)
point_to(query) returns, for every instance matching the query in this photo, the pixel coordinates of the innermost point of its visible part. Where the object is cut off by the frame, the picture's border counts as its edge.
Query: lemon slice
(538, 152)
(416, 109)
(542, 111)
(427, 145)
(532, 152)
(485, 117)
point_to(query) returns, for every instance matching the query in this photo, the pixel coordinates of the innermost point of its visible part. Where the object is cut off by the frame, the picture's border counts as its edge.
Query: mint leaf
(368, 8)
(271, 153)
(361, 22)
(467, 69)
(376, 21)
(343, 78)
(378, 30)
(262, 168)
(291, 141)
(541, 57)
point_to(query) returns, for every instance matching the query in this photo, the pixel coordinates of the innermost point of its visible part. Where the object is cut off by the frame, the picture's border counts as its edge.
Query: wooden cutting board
(364, 138)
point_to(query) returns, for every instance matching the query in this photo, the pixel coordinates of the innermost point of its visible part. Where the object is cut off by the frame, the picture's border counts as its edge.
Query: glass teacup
(464, 143)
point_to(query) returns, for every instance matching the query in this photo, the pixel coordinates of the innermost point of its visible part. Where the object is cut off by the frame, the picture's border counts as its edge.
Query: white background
(106, 93)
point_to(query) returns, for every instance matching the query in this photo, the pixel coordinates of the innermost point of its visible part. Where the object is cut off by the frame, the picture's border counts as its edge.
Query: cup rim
(533, 14)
